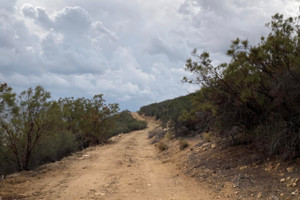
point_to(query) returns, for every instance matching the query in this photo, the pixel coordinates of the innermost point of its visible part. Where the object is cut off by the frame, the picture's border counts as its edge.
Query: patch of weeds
(168, 136)
(183, 143)
(207, 136)
(162, 146)
(158, 134)
(151, 134)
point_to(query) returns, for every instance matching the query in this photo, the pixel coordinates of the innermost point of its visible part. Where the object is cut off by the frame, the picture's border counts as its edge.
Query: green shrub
(7, 165)
(55, 147)
(258, 89)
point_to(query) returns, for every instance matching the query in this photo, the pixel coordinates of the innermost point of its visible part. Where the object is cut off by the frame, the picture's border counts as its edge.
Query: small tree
(24, 123)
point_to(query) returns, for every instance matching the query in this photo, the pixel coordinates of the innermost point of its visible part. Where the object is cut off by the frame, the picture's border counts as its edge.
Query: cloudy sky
(132, 51)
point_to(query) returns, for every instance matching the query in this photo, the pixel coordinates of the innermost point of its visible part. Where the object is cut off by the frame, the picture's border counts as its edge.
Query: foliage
(169, 112)
(90, 119)
(35, 130)
(54, 147)
(260, 87)
(24, 123)
(126, 123)
(169, 109)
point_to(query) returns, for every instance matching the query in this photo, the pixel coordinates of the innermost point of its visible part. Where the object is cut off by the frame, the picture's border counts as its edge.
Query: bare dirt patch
(234, 172)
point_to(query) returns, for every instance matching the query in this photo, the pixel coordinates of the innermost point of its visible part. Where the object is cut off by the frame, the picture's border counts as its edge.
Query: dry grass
(162, 146)
(168, 136)
(183, 143)
(207, 136)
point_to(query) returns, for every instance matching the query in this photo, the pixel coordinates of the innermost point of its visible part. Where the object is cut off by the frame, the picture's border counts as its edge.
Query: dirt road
(125, 169)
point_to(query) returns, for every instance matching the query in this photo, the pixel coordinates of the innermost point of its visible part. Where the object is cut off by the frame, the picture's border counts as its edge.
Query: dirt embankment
(127, 168)
(233, 171)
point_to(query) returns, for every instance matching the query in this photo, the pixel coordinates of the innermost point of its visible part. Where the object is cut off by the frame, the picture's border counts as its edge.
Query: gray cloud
(174, 51)
(7, 6)
(132, 51)
(219, 22)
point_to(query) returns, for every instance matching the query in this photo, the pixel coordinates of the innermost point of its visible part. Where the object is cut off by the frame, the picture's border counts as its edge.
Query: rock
(294, 184)
(252, 195)
(100, 194)
(213, 146)
(259, 195)
(290, 169)
(295, 180)
(282, 180)
(281, 194)
(236, 193)
(293, 193)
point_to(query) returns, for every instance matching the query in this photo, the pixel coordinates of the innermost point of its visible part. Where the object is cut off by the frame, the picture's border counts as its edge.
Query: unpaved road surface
(127, 168)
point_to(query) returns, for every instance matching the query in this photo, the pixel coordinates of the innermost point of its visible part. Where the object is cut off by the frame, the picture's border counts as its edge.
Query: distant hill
(168, 110)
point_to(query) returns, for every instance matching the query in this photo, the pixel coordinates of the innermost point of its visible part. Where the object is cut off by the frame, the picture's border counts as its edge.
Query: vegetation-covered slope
(126, 123)
(168, 110)
(257, 93)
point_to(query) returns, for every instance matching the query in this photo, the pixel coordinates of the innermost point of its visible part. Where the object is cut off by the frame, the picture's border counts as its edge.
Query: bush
(168, 136)
(7, 165)
(157, 134)
(183, 143)
(151, 134)
(207, 136)
(162, 146)
(55, 147)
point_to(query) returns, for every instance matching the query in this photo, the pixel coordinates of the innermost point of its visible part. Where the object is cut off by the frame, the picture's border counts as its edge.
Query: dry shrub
(207, 136)
(168, 136)
(157, 134)
(162, 146)
(183, 143)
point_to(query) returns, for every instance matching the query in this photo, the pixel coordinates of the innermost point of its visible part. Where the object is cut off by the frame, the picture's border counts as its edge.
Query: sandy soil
(127, 168)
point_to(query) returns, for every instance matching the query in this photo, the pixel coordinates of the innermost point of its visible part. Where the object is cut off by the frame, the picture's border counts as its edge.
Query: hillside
(169, 110)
